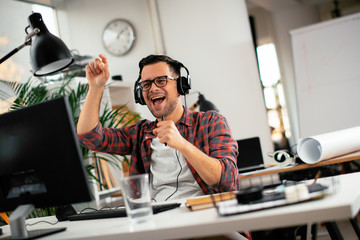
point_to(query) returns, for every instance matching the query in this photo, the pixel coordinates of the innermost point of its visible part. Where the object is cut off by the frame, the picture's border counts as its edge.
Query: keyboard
(120, 212)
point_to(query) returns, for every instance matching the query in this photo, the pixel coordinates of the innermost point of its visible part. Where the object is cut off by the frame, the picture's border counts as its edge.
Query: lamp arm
(26, 43)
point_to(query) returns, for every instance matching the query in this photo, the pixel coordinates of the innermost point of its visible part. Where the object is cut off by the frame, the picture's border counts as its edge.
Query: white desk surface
(182, 223)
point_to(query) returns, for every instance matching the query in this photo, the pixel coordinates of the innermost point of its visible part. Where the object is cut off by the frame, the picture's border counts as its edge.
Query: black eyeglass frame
(150, 82)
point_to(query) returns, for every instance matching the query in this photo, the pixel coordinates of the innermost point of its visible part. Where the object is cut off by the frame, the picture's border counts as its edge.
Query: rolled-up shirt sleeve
(223, 147)
(109, 140)
(92, 139)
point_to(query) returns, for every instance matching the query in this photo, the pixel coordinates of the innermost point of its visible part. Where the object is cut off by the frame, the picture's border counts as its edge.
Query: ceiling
(274, 5)
(270, 5)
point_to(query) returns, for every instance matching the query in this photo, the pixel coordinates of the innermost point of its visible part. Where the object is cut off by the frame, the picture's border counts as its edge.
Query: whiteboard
(327, 75)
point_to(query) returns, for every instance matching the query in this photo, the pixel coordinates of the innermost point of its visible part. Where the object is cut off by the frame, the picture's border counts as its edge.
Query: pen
(317, 175)
(163, 119)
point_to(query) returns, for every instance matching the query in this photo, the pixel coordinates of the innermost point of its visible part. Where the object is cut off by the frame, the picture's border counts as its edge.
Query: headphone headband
(183, 84)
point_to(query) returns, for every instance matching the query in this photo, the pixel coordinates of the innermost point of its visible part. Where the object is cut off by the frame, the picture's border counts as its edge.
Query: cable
(88, 208)
(213, 199)
(185, 101)
(94, 209)
(32, 224)
(177, 178)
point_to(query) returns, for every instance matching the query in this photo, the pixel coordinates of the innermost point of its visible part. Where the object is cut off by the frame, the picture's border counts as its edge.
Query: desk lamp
(48, 53)
(204, 105)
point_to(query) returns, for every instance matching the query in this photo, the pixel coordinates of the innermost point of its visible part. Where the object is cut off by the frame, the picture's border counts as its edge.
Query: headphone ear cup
(183, 85)
(139, 98)
(283, 158)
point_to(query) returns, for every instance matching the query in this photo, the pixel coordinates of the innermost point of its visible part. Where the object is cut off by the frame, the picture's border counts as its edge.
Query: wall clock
(118, 37)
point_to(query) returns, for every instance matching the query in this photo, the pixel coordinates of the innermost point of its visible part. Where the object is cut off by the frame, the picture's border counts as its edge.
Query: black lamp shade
(206, 105)
(48, 53)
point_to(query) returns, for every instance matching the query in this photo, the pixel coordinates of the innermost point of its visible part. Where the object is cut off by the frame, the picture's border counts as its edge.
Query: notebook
(250, 155)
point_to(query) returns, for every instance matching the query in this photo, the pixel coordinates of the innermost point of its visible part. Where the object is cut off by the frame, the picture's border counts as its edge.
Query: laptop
(250, 155)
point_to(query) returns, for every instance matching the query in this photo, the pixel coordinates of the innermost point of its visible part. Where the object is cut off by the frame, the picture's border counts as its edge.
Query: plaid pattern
(208, 131)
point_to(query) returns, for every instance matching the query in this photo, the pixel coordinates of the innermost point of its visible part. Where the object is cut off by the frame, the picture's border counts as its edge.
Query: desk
(182, 223)
(273, 170)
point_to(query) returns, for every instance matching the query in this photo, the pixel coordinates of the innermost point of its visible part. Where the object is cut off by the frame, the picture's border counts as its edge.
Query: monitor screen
(250, 155)
(40, 158)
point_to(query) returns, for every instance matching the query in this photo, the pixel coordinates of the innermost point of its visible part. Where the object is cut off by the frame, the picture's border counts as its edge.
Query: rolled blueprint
(321, 147)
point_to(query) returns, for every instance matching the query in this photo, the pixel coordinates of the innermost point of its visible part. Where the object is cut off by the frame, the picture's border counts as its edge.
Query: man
(186, 153)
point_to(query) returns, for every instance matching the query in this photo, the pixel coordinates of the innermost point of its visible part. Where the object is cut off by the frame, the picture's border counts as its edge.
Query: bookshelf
(121, 93)
(108, 172)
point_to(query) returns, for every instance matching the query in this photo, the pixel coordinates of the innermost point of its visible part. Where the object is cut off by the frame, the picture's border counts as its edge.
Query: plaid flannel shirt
(208, 131)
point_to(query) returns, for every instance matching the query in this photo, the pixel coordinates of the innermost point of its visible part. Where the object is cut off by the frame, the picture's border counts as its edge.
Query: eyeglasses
(158, 81)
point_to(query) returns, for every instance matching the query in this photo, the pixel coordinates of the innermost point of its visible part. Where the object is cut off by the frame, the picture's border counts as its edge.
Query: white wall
(211, 37)
(275, 23)
(274, 26)
(300, 16)
(85, 21)
(189, 35)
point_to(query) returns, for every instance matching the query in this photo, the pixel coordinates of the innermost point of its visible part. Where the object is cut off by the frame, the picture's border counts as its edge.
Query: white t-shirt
(166, 174)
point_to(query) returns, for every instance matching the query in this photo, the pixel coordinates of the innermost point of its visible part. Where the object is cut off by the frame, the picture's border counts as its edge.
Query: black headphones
(284, 157)
(183, 85)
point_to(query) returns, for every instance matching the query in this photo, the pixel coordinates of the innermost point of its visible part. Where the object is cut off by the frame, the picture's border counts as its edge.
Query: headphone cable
(185, 101)
(177, 178)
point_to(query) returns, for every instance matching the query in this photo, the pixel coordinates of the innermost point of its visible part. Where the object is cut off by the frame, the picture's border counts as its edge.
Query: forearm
(208, 168)
(97, 73)
(89, 115)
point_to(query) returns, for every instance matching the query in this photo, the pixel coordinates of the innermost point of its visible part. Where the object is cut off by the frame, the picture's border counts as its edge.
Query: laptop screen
(250, 155)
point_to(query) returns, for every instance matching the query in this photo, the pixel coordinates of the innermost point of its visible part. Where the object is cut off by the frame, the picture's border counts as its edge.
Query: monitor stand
(18, 226)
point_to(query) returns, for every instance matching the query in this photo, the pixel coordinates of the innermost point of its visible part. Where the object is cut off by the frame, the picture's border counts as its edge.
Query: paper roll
(321, 147)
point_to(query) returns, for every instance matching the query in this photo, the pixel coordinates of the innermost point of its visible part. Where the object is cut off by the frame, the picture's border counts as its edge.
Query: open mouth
(157, 100)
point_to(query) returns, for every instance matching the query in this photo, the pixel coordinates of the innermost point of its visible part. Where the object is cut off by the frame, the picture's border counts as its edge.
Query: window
(13, 71)
(273, 95)
(49, 16)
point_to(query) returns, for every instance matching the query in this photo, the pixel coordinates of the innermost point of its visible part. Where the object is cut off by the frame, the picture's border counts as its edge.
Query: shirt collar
(187, 117)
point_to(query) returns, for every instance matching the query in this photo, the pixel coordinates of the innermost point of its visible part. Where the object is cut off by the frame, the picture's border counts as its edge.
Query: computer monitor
(41, 162)
(250, 155)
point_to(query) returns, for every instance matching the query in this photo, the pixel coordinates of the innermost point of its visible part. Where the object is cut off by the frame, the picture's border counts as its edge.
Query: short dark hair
(151, 59)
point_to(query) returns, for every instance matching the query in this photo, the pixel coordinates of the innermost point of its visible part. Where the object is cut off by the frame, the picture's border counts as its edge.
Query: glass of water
(136, 194)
